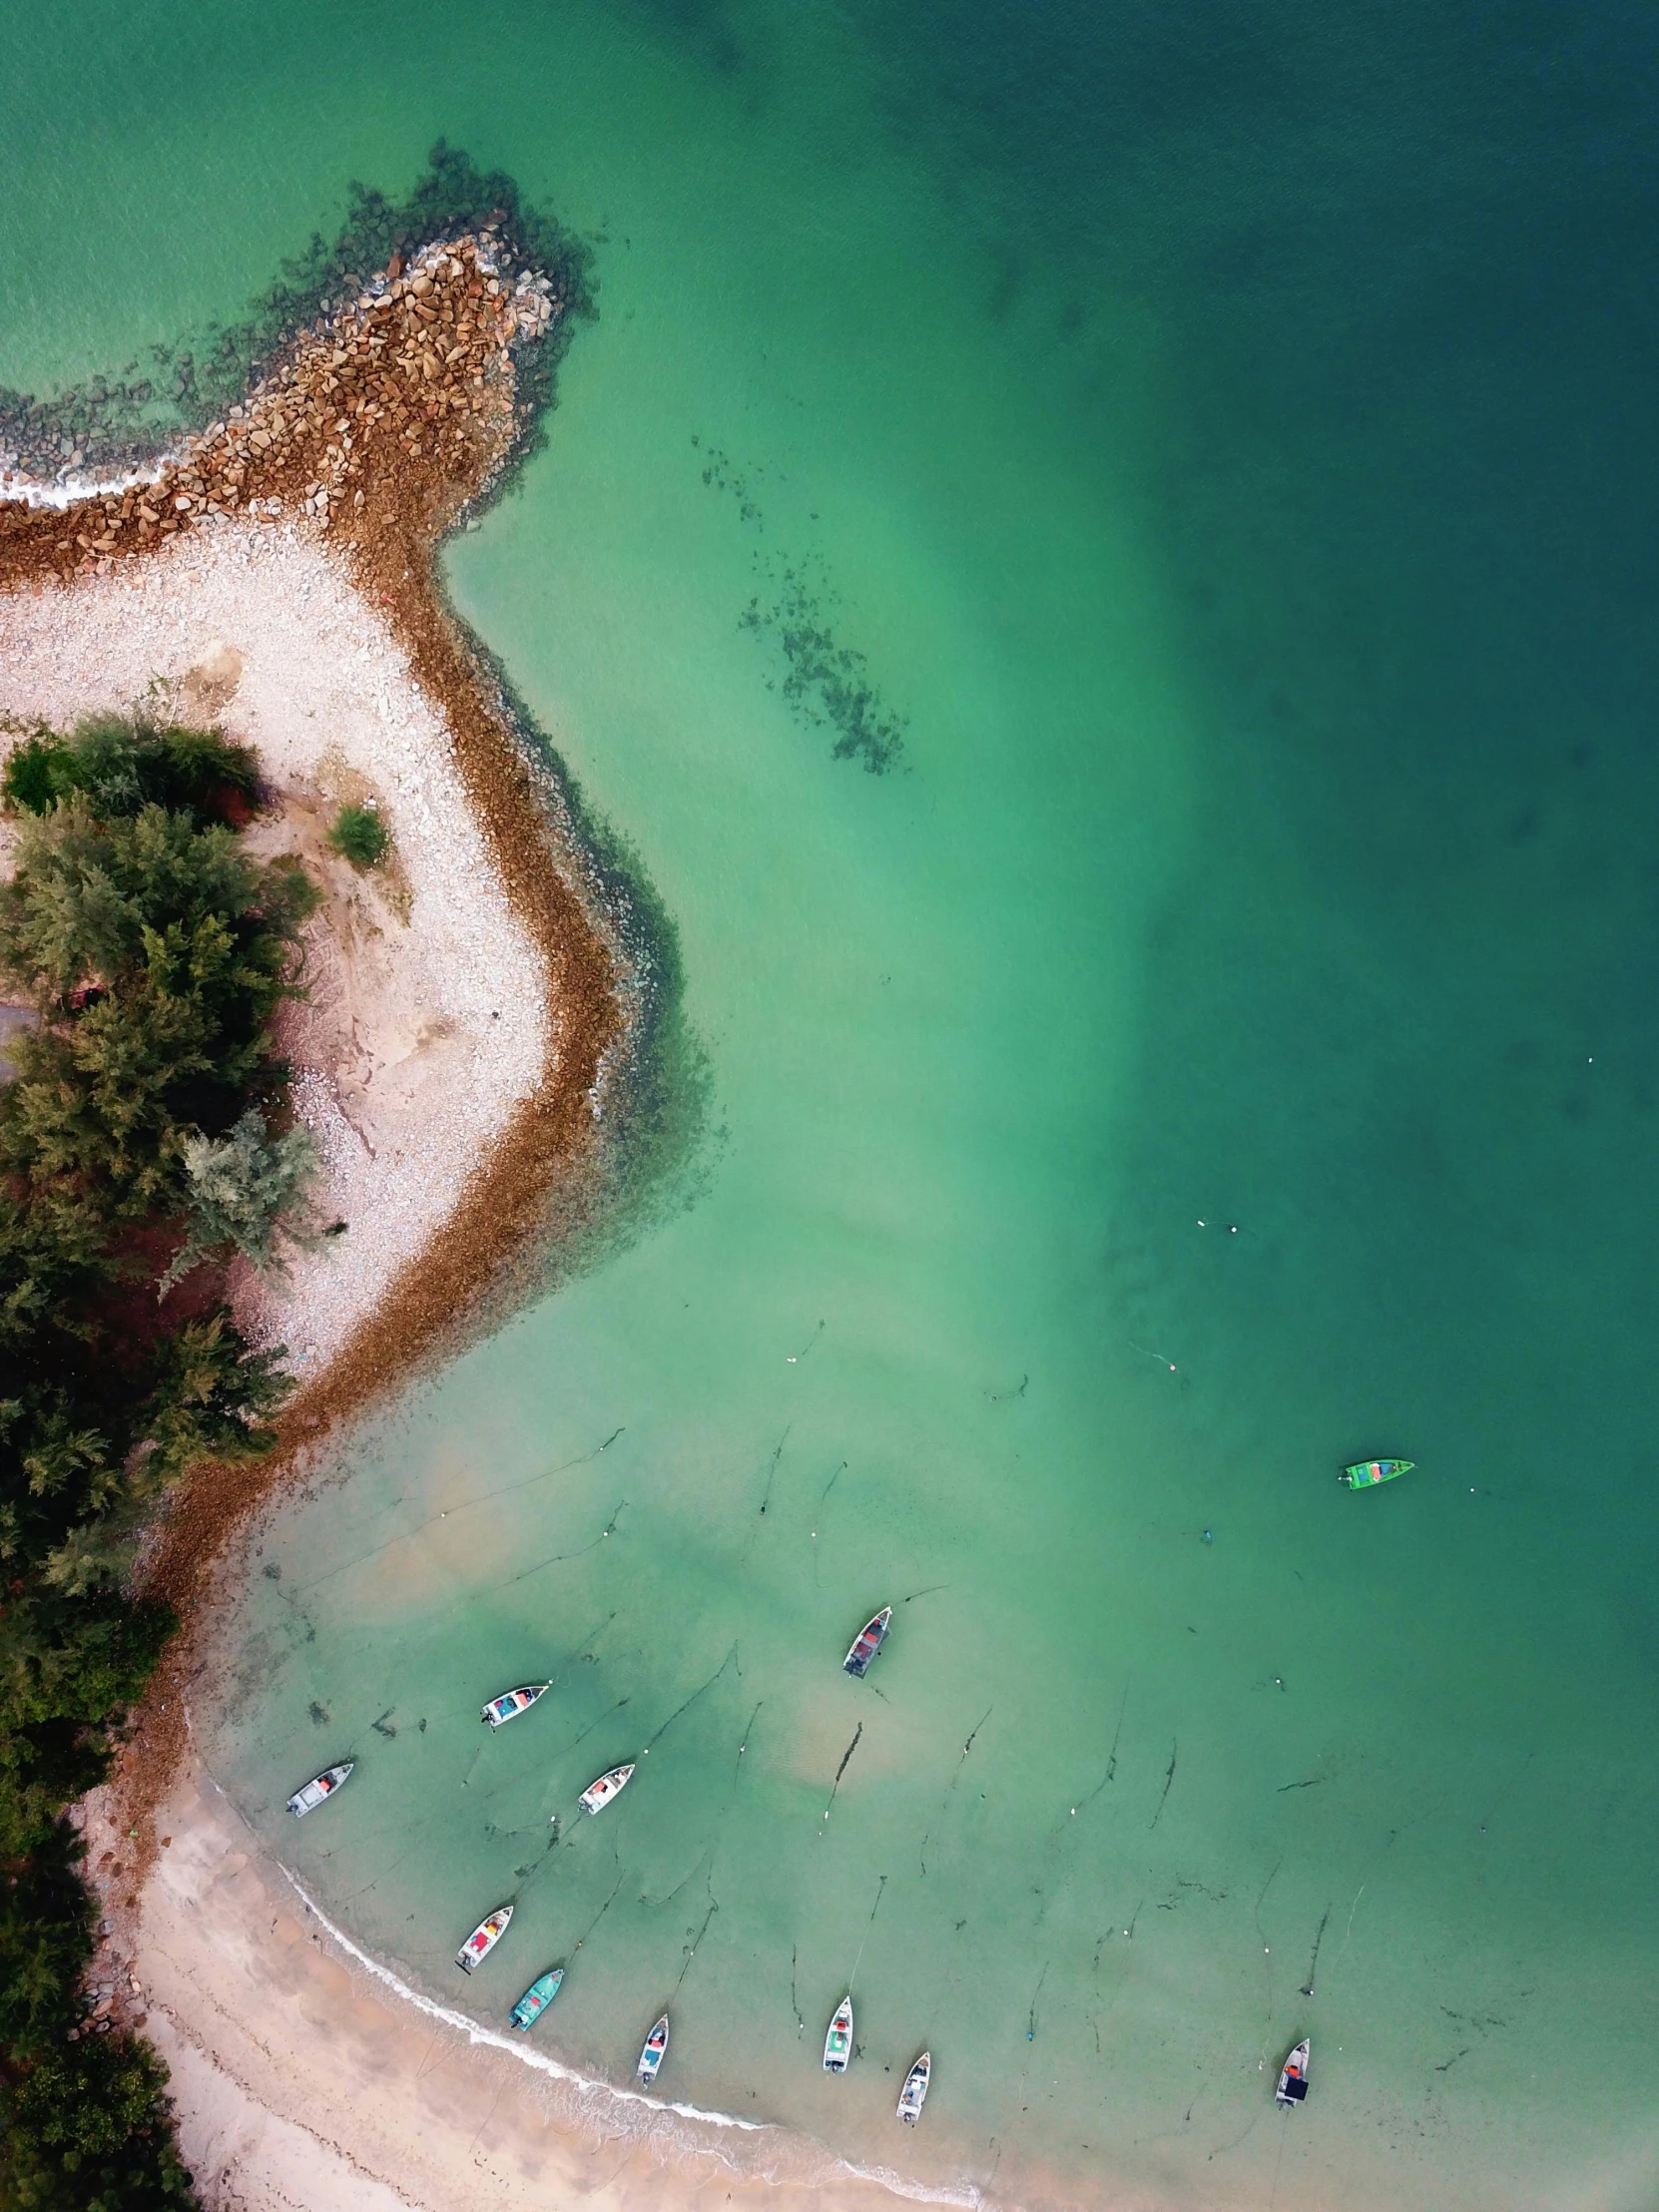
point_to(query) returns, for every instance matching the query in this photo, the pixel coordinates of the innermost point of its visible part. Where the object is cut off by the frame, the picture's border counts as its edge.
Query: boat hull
(511, 1703)
(867, 1643)
(535, 2000)
(653, 2052)
(1292, 2076)
(838, 2044)
(320, 1788)
(483, 1938)
(606, 1789)
(914, 2095)
(1366, 1475)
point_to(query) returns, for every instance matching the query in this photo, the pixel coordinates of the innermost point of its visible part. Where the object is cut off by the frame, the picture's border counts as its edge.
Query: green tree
(244, 1187)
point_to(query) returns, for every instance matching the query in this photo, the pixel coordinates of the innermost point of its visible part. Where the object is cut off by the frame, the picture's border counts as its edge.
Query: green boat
(537, 1998)
(1364, 1475)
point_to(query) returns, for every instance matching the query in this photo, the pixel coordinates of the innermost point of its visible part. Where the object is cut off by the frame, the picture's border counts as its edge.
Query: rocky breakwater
(391, 415)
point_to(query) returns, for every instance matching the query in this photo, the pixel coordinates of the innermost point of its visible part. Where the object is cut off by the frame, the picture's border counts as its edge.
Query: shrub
(124, 764)
(360, 836)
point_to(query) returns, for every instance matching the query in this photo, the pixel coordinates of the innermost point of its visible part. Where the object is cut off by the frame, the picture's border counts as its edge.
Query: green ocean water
(1219, 1046)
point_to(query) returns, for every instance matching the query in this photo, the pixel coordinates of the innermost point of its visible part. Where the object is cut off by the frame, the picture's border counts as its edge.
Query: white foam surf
(594, 2090)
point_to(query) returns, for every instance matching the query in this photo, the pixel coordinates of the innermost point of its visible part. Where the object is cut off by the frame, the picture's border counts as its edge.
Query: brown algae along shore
(336, 479)
(276, 576)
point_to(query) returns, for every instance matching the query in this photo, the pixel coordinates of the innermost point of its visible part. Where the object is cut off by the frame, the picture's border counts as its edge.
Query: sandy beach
(302, 2078)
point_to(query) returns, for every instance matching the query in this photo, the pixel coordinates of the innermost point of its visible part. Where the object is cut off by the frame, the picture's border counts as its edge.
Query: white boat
(869, 1642)
(483, 1938)
(1292, 2075)
(599, 1793)
(914, 2095)
(508, 1706)
(838, 2044)
(650, 2055)
(320, 1787)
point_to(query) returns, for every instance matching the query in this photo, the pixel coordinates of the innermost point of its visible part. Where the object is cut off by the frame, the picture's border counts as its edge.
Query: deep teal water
(1222, 1046)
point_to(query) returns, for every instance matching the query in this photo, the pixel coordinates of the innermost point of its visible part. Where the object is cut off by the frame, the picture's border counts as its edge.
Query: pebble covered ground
(417, 1035)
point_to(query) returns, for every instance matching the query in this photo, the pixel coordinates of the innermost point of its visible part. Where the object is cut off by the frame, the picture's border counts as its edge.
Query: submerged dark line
(559, 1557)
(846, 1755)
(771, 1470)
(449, 1512)
(696, 1694)
(1307, 1987)
(1168, 1783)
(1117, 1738)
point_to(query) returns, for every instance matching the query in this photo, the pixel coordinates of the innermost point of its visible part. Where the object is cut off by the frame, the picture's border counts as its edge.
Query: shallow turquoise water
(1221, 1047)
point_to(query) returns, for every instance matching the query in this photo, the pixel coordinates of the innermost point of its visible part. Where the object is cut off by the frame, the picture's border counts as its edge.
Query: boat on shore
(319, 1790)
(483, 1938)
(869, 1642)
(914, 2095)
(1364, 1475)
(1292, 2075)
(535, 2000)
(838, 2044)
(599, 1793)
(508, 1706)
(652, 2053)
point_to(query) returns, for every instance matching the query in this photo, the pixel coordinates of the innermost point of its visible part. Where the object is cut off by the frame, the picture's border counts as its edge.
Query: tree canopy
(141, 1124)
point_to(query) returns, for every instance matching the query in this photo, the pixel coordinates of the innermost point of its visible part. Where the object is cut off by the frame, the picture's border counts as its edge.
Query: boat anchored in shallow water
(508, 1706)
(869, 1642)
(599, 1793)
(652, 2053)
(320, 1787)
(483, 1938)
(914, 2095)
(535, 2000)
(838, 2044)
(1292, 2075)
(1364, 1475)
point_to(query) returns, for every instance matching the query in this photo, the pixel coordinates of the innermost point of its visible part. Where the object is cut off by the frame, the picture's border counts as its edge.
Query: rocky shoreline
(374, 432)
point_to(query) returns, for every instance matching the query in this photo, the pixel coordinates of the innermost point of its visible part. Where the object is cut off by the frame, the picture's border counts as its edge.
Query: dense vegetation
(134, 1132)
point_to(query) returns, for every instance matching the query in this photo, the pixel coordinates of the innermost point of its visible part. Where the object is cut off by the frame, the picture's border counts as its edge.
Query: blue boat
(535, 2000)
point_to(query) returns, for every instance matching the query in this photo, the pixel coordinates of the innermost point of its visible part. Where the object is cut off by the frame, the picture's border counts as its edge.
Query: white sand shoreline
(308, 2073)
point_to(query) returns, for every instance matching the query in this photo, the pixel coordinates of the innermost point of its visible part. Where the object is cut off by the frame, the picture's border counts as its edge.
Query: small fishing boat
(483, 1938)
(508, 1706)
(1292, 2075)
(535, 2000)
(838, 2044)
(914, 2095)
(320, 1787)
(599, 1793)
(1364, 1475)
(650, 2055)
(869, 1642)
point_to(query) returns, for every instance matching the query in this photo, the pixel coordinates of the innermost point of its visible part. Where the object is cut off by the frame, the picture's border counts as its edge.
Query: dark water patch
(825, 681)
